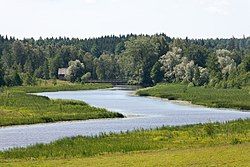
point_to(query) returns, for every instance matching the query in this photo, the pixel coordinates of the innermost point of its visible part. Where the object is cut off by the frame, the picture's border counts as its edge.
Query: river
(140, 112)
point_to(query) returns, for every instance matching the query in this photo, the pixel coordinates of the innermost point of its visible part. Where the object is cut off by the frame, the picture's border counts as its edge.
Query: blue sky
(94, 18)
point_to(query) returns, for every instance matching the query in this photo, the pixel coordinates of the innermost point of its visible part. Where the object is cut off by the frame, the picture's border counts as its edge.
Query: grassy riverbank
(203, 144)
(211, 97)
(229, 155)
(17, 107)
(48, 86)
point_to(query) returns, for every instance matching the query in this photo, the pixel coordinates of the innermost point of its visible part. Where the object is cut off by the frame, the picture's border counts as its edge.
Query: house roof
(62, 71)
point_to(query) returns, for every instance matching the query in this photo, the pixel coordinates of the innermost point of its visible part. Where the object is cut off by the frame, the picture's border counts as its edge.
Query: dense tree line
(139, 59)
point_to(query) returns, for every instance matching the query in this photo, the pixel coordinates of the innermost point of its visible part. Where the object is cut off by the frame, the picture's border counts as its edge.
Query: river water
(140, 112)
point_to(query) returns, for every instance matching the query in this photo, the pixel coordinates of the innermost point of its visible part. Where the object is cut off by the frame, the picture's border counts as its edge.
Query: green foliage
(45, 70)
(169, 61)
(106, 67)
(156, 73)
(197, 53)
(29, 80)
(75, 71)
(142, 53)
(191, 84)
(210, 129)
(119, 48)
(13, 79)
(214, 67)
(131, 58)
(38, 73)
(245, 66)
(236, 141)
(2, 81)
(54, 82)
(88, 61)
(95, 51)
(86, 77)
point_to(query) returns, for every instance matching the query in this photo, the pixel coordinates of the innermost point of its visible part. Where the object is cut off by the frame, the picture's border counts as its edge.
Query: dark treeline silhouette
(138, 59)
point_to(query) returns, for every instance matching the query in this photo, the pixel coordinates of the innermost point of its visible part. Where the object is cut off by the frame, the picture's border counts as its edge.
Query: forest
(137, 59)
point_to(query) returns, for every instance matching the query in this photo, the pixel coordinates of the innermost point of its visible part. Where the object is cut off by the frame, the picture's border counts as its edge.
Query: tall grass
(60, 87)
(17, 107)
(219, 98)
(178, 137)
(222, 156)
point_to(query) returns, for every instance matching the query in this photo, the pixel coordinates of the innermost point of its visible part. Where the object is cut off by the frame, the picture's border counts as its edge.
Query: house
(62, 73)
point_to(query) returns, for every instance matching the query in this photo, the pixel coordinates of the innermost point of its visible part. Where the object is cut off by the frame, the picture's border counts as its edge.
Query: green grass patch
(223, 155)
(60, 86)
(211, 97)
(169, 138)
(18, 108)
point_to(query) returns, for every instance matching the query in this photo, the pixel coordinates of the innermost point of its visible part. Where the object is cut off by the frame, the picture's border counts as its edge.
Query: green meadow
(58, 85)
(18, 108)
(223, 144)
(211, 97)
(224, 155)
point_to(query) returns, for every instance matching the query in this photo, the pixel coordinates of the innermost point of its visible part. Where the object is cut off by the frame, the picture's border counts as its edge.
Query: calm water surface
(141, 112)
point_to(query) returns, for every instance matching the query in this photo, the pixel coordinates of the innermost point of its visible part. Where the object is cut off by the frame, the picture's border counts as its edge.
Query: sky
(95, 18)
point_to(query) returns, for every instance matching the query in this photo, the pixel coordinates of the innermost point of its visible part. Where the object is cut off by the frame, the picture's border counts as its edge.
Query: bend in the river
(141, 112)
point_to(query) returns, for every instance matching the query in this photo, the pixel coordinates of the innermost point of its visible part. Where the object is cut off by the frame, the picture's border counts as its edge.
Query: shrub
(236, 141)
(210, 129)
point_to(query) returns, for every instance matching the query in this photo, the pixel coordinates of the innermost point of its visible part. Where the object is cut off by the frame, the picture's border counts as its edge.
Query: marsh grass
(61, 86)
(17, 107)
(211, 97)
(170, 138)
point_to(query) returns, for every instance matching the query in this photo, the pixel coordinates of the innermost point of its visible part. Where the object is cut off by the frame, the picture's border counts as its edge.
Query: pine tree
(2, 82)
(45, 70)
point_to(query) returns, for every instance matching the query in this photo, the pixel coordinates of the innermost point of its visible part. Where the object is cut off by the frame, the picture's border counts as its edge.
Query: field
(211, 144)
(17, 107)
(229, 155)
(211, 97)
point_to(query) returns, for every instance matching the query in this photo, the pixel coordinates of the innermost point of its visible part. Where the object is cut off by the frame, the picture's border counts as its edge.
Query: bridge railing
(107, 81)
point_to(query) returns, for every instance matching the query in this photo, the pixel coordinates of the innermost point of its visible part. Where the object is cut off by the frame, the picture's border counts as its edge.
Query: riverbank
(19, 108)
(60, 86)
(201, 144)
(211, 97)
(229, 155)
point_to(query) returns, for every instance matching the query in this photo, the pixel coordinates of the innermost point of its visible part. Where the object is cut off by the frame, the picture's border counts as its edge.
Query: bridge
(113, 81)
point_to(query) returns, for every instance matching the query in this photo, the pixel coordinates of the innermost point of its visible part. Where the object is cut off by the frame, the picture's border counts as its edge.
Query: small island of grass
(18, 108)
